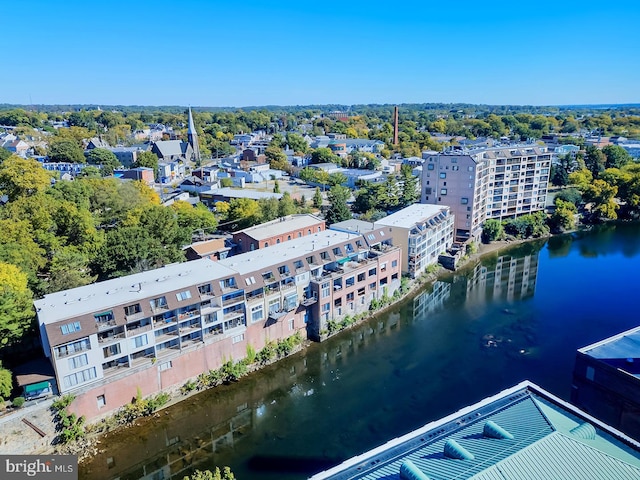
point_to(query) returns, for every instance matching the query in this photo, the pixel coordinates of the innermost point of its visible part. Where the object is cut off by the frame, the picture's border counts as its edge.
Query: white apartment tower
(477, 184)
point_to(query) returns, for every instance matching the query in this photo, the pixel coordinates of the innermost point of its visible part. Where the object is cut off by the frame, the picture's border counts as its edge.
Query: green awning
(36, 387)
(342, 261)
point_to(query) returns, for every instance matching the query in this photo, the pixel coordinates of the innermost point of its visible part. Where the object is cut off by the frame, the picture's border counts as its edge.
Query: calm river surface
(520, 315)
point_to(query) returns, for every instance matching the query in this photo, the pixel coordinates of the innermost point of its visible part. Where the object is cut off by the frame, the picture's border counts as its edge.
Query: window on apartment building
(70, 328)
(455, 168)
(111, 350)
(372, 286)
(283, 270)
(359, 243)
(383, 267)
(266, 244)
(394, 263)
(277, 241)
(470, 168)
(298, 264)
(372, 272)
(132, 309)
(140, 341)
(288, 237)
(79, 361)
(228, 283)
(337, 251)
(238, 338)
(443, 191)
(183, 295)
(104, 317)
(350, 296)
(79, 377)
(165, 366)
(205, 289)
(309, 232)
(257, 313)
(361, 277)
(159, 302)
(310, 260)
(443, 175)
(291, 324)
(350, 282)
(324, 255)
(326, 307)
(464, 201)
(299, 234)
(71, 348)
(325, 290)
(430, 166)
(100, 399)
(274, 305)
(348, 248)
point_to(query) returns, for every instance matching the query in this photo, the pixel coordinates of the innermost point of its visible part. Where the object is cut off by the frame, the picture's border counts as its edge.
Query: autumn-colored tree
(22, 176)
(16, 308)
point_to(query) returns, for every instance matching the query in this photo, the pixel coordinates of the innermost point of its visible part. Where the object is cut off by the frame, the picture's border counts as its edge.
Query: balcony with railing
(137, 330)
(106, 339)
(101, 326)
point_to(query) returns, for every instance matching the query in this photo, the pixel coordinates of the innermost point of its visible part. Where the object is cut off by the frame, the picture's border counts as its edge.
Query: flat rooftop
(411, 215)
(521, 433)
(621, 351)
(285, 224)
(132, 288)
(103, 295)
(264, 258)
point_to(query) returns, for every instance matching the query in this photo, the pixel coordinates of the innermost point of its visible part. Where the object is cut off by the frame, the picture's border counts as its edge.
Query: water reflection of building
(430, 302)
(512, 278)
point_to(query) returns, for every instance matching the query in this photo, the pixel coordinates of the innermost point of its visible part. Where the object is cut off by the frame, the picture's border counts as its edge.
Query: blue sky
(246, 52)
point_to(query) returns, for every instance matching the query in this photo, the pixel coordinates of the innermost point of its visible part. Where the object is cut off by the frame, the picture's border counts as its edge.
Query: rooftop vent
(584, 431)
(493, 430)
(453, 449)
(409, 471)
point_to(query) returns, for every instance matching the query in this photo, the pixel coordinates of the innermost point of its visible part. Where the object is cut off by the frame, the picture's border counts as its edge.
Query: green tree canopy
(324, 155)
(16, 308)
(6, 382)
(66, 151)
(226, 474)
(492, 230)
(147, 159)
(105, 158)
(338, 210)
(616, 156)
(22, 176)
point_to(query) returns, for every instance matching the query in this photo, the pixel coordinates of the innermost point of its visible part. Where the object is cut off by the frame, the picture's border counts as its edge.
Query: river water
(519, 314)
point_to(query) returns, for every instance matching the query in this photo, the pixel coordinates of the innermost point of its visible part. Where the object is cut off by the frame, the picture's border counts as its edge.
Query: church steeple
(192, 137)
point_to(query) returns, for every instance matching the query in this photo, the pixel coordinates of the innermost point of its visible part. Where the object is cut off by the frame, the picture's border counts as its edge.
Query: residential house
(214, 249)
(211, 197)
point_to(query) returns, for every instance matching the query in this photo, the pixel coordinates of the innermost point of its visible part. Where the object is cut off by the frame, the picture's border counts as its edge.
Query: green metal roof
(549, 440)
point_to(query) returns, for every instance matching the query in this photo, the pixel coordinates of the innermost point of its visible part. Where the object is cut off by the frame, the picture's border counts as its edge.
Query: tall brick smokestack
(395, 126)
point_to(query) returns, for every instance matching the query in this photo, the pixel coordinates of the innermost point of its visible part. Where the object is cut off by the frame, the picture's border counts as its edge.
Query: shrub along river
(519, 314)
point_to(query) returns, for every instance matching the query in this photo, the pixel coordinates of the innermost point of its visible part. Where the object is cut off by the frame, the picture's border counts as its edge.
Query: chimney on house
(395, 126)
